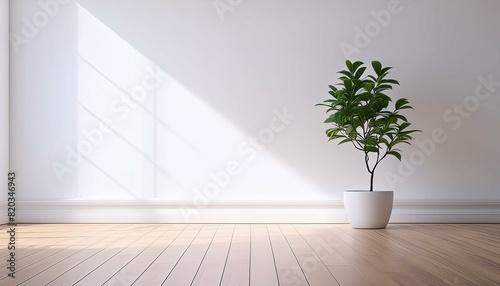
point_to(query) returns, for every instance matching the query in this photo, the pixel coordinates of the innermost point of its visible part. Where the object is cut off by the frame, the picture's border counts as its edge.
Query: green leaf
(348, 84)
(347, 74)
(349, 129)
(404, 125)
(385, 70)
(409, 132)
(395, 154)
(383, 87)
(377, 67)
(406, 107)
(352, 135)
(390, 81)
(332, 132)
(332, 108)
(365, 96)
(349, 65)
(356, 65)
(383, 96)
(401, 117)
(369, 148)
(372, 141)
(345, 141)
(359, 72)
(383, 140)
(368, 86)
(400, 103)
(331, 119)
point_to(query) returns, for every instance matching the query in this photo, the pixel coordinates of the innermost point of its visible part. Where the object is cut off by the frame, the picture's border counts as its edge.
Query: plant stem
(371, 180)
(371, 171)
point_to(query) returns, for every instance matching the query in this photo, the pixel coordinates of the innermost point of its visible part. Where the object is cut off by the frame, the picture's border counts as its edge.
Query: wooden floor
(253, 254)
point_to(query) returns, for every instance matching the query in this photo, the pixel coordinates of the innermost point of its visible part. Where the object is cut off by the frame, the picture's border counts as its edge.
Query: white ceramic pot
(367, 209)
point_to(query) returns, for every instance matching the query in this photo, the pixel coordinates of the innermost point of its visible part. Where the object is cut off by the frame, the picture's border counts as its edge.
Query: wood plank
(120, 242)
(387, 258)
(353, 255)
(287, 266)
(35, 239)
(237, 269)
(262, 266)
(347, 275)
(449, 260)
(157, 272)
(185, 270)
(25, 250)
(315, 271)
(326, 249)
(338, 266)
(46, 262)
(212, 267)
(113, 265)
(32, 262)
(131, 272)
(29, 272)
(69, 263)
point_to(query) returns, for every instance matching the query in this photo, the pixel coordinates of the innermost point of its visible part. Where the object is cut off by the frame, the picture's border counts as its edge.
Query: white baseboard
(3, 212)
(151, 211)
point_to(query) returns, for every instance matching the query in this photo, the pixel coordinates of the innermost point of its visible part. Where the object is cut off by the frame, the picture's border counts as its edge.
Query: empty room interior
(249, 142)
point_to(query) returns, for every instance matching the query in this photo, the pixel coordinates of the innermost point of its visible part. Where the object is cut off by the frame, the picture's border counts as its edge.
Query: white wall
(186, 85)
(4, 105)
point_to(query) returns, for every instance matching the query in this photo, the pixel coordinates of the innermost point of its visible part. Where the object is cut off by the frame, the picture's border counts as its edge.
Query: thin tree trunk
(371, 180)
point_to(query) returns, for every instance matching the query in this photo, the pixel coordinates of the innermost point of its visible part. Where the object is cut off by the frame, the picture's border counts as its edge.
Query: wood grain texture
(211, 270)
(262, 266)
(237, 268)
(253, 254)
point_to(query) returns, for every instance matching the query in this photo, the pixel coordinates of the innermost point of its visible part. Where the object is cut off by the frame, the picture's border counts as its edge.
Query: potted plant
(360, 113)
